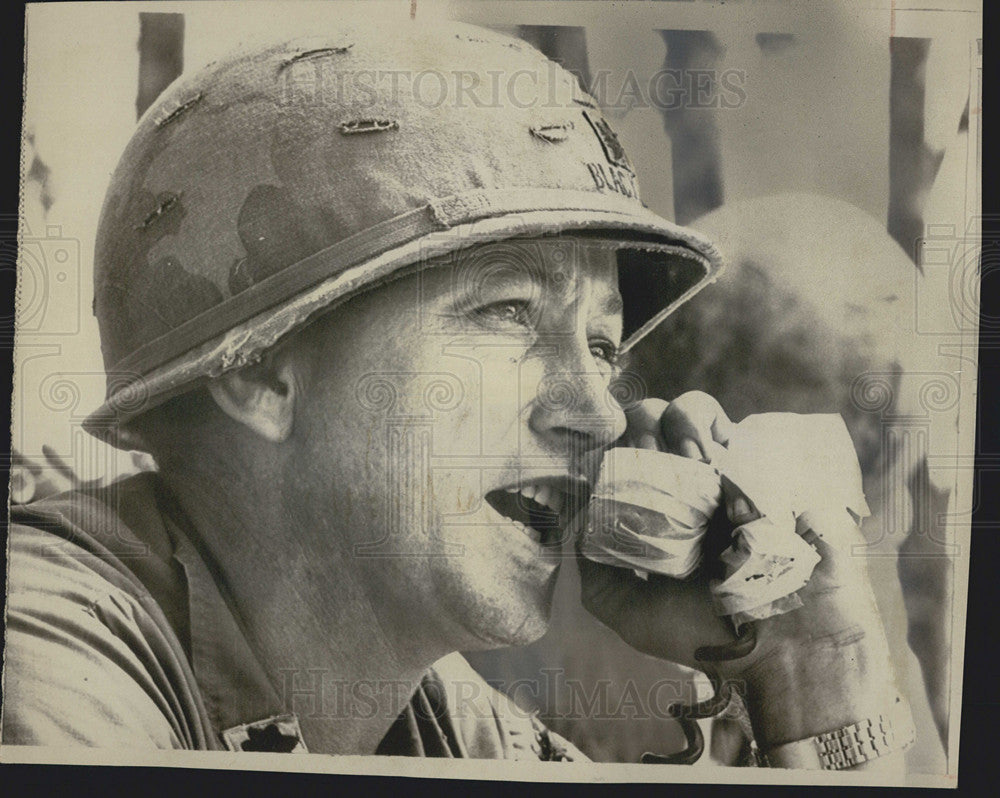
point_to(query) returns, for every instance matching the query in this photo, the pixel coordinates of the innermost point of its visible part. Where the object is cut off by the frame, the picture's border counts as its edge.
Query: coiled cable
(687, 714)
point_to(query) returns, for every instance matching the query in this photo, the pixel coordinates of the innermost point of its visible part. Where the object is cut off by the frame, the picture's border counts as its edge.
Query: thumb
(695, 425)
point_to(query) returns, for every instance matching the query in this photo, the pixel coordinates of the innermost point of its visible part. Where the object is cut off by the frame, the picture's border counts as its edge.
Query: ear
(262, 396)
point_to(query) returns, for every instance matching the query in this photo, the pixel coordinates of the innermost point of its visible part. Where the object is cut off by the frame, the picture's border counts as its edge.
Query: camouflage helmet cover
(290, 176)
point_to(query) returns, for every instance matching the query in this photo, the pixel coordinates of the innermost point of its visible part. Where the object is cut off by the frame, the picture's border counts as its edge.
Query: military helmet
(290, 176)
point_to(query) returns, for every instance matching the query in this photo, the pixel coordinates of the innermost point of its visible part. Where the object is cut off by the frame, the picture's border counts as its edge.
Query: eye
(509, 311)
(604, 350)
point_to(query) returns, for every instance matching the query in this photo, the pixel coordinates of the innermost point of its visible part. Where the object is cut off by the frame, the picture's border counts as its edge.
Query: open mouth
(541, 510)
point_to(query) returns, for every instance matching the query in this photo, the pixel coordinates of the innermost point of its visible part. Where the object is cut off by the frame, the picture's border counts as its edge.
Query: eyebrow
(611, 304)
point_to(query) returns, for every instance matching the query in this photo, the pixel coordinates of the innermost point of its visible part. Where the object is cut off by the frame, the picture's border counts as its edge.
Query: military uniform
(118, 636)
(254, 196)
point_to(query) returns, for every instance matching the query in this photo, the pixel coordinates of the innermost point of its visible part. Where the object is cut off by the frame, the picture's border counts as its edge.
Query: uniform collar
(234, 685)
(243, 707)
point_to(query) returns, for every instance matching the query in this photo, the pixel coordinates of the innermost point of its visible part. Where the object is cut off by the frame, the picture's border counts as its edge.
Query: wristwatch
(847, 746)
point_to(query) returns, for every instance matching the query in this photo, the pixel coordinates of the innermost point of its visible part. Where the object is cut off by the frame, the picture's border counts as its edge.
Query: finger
(648, 441)
(677, 427)
(643, 430)
(663, 617)
(22, 485)
(18, 459)
(689, 447)
(674, 618)
(605, 590)
(840, 545)
(740, 509)
(697, 417)
(60, 466)
(833, 532)
(722, 430)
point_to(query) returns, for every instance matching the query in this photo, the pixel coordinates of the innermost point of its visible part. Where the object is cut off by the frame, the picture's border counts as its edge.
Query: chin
(530, 632)
(492, 637)
(512, 626)
(491, 605)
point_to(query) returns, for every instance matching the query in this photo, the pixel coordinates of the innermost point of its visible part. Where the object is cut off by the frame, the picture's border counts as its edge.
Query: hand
(693, 425)
(31, 481)
(34, 479)
(818, 667)
(663, 617)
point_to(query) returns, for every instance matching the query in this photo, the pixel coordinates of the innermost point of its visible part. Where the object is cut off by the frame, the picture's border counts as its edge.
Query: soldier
(364, 297)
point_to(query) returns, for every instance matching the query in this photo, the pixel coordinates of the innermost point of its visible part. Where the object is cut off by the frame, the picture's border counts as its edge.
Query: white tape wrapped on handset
(650, 510)
(788, 465)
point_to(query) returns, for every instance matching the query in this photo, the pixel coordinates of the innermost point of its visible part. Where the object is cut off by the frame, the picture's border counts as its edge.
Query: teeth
(526, 530)
(556, 500)
(546, 495)
(542, 495)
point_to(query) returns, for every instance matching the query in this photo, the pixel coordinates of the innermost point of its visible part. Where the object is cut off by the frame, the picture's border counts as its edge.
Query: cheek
(473, 398)
(473, 439)
(415, 434)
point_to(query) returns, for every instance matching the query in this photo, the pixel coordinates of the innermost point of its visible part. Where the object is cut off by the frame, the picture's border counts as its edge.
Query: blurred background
(832, 149)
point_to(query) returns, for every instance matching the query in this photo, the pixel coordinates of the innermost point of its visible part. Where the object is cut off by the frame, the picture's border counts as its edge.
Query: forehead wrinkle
(589, 289)
(589, 277)
(602, 269)
(612, 303)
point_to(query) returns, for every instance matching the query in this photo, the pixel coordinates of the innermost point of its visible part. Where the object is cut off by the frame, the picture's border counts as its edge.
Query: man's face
(443, 434)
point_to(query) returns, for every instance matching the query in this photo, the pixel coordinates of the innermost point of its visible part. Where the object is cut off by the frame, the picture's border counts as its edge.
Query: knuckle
(698, 399)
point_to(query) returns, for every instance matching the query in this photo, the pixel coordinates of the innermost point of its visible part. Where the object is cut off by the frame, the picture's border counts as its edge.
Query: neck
(304, 610)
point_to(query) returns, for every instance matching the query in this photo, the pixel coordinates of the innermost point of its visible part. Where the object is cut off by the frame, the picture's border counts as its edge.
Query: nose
(573, 411)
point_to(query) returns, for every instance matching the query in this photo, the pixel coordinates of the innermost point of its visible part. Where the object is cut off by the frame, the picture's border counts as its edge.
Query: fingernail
(691, 449)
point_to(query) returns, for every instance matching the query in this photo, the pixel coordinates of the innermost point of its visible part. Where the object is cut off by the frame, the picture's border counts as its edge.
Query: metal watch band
(847, 746)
